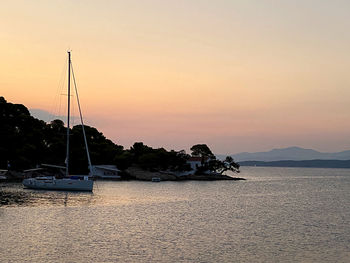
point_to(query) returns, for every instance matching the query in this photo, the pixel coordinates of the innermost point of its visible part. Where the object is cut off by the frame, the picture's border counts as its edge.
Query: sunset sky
(239, 75)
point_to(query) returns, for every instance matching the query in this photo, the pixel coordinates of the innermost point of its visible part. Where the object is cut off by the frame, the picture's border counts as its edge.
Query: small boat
(67, 183)
(155, 179)
(3, 174)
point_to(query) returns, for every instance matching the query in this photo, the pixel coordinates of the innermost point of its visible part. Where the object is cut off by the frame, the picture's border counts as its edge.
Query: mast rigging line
(81, 119)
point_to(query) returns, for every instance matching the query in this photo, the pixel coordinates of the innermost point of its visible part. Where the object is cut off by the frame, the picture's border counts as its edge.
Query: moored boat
(3, 174)
(52, 183)
(67, 183)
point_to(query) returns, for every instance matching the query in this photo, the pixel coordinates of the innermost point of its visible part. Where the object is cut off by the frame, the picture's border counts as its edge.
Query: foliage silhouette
(26, 142)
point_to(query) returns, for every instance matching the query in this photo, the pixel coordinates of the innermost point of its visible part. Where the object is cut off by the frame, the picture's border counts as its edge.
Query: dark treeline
(26, 142)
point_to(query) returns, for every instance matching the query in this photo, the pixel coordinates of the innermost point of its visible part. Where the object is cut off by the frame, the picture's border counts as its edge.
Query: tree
(222, 166)
(26, 141)
(21, 142)
(101, 149)
(123, 160)
(158, 159)
(201, 150)
(139, 149)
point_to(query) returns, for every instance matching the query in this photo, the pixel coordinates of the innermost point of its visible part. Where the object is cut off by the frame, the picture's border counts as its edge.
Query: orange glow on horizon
(238, 76)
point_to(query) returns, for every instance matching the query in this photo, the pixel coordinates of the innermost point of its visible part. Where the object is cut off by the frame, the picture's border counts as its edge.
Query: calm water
(277, 215)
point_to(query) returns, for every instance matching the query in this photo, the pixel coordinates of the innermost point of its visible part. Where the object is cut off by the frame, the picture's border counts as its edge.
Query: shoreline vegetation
(27, 142)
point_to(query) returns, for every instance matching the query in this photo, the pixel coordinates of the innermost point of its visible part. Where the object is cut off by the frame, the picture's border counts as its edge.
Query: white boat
(69, 183)
(106, 172)
(3, 174)
(155, 179)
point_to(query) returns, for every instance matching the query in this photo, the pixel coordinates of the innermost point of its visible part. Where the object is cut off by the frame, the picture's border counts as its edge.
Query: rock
(144, 175)
(210, 177)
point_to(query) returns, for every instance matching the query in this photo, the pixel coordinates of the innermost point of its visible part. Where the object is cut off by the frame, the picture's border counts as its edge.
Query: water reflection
(104, 194)
(13, 194)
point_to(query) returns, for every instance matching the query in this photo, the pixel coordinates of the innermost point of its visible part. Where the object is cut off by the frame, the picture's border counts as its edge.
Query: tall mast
(68, 116)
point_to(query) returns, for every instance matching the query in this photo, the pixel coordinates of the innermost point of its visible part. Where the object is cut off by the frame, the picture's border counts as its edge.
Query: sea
(275, 215)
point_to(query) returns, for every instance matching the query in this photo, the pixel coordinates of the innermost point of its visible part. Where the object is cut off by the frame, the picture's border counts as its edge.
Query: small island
(27, 143)
(202, 164)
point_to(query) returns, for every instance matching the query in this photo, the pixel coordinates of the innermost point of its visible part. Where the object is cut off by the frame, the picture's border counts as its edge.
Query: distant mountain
(291, 154)
(306, 163)
(42, 115)
(47, 116)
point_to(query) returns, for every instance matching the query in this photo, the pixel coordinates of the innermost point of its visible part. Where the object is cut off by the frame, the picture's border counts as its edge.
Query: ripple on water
(277, 215)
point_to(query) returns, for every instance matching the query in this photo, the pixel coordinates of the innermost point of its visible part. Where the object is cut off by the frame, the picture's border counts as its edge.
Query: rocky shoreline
(135, 173)
(144, 175)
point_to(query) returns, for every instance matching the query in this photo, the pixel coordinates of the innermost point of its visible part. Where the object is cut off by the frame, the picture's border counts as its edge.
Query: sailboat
(68, 183)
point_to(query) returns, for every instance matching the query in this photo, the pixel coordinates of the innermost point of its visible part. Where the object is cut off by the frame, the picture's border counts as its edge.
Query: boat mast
(68, 116)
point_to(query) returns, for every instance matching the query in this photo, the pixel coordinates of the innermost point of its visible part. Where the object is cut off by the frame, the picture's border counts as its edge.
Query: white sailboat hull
(59, 184)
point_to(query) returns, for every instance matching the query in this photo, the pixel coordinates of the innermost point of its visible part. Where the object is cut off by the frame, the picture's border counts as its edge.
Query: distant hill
(290, 154)
(305, 163)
